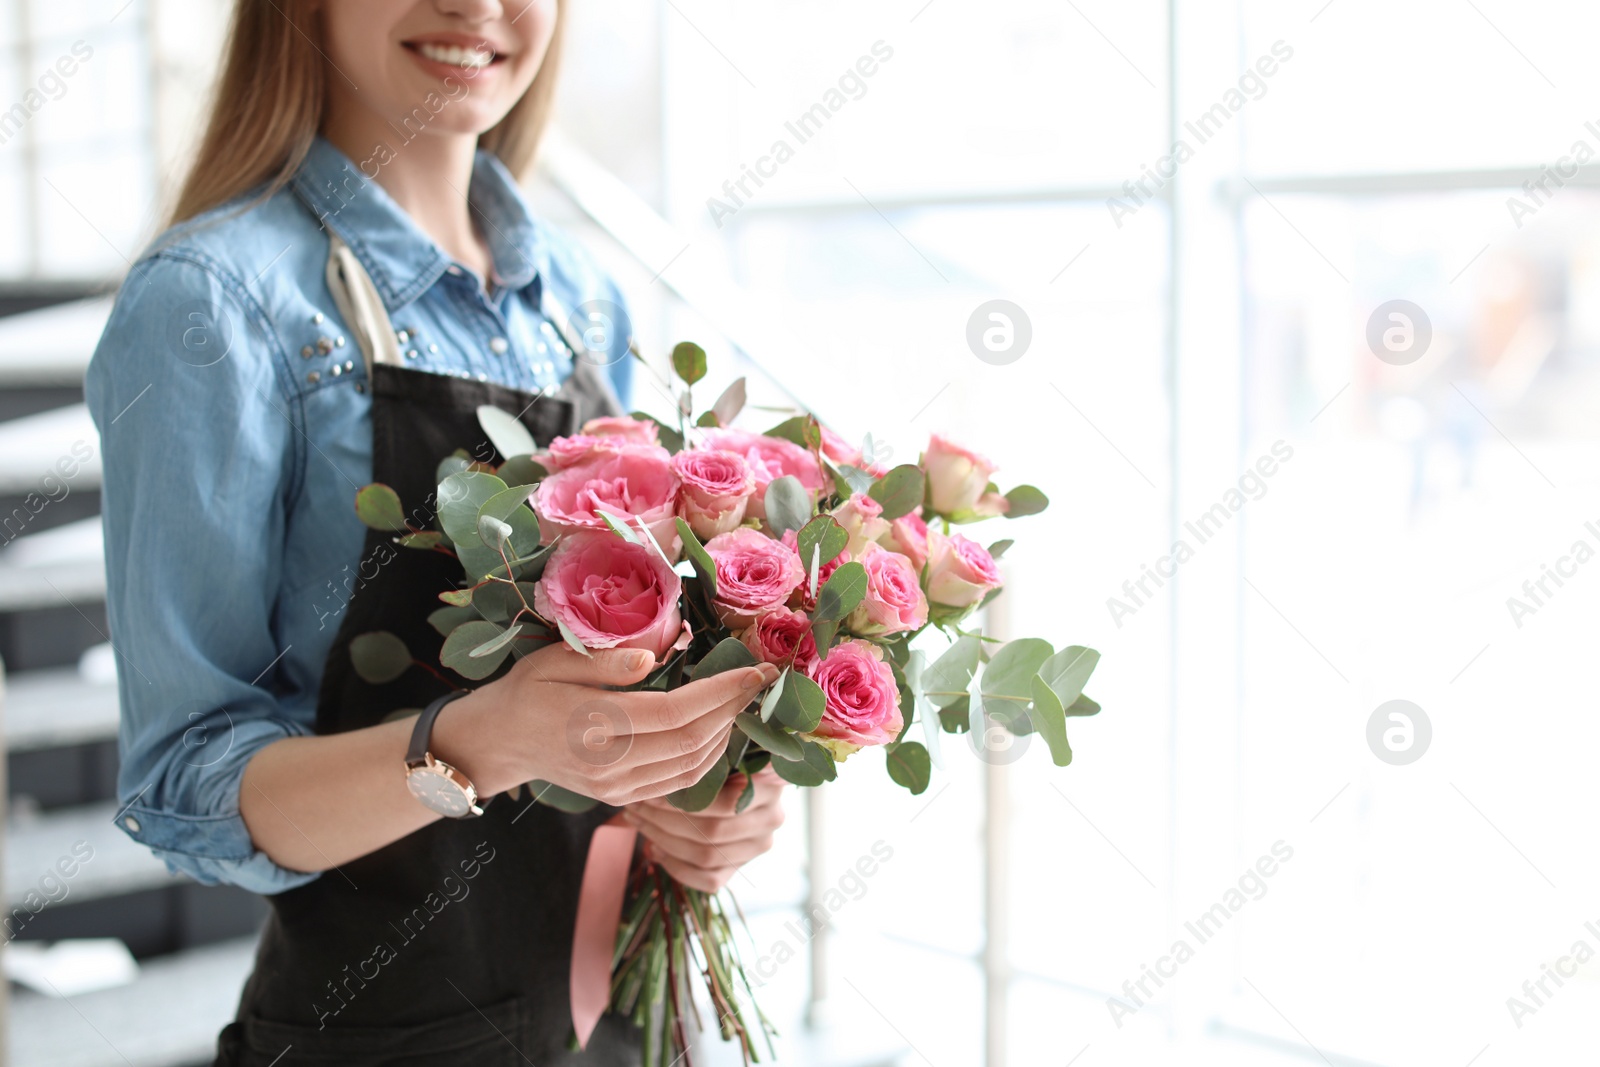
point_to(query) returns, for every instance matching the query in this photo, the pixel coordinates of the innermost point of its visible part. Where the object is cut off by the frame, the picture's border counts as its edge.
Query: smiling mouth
(454, 55)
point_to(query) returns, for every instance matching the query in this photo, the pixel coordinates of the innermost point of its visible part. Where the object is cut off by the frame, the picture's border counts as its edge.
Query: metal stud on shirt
(498, 345)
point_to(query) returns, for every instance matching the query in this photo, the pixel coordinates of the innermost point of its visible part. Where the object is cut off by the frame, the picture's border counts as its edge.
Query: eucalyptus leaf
(510, 506)
(822, 532)
(460, 643)
(698, 797)
(572, 639)
(689, 361)
(494, 533)
(379, 656)
(699, 558)
(619, 526)
(779, 742)
(1008, 679)
(900, 491)
(521, 470)
(823, 632)
(460, 497)
(445, 619)
(505, 431)
(841, 593)
(998, 549)
(459, 598)
(946, 679)
(1068, 671)
(858, 480)
(1049, 719)
(788, 505)
(489, 648)
(422, 539)
(378, 507)
(812, 770)
(916, 666)
(670, 438)
(452, 464)
(728, 654)
(801, 704)
(792, 430)
(1025, 500)
(730, 403)
(769, 703)
(746, 795)
(1083, 706)
(910, 766)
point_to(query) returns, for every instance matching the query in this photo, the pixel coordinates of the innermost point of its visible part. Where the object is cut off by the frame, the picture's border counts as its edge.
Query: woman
(351, 273)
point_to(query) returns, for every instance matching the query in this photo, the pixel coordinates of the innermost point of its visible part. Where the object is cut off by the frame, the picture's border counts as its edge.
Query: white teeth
(455, 56)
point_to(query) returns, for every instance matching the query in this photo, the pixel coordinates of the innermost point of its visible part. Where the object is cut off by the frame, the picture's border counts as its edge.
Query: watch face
(437, 791)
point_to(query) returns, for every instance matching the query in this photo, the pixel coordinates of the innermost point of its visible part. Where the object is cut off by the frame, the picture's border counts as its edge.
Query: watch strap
(422, 733)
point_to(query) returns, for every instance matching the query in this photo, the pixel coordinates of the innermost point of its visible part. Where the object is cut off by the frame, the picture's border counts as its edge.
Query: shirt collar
(401, 259)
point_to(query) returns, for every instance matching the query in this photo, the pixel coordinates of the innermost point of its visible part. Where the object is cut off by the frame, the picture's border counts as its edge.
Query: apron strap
(360, 305)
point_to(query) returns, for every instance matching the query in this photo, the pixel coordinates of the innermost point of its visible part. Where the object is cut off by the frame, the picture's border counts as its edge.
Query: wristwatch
(438, 785)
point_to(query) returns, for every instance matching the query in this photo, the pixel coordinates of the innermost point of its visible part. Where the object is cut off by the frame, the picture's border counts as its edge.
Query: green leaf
(910, 766)
(792, 430)
(494, 533)
(521, 470)
(789, 506)
(780, 743)
(946, 679)
(489, 648)
(823, 632)
(915, 672)
(572, 639)
(565, 800)
(451, 464)
(458, 598)
(505, 431)
(815, 768)
(510, 506)
(825, 532)
(460, 643)
(900, 491)
(704, 566)
(857, 479)
(841, 593)
(689, 361)
(460, 497)
(707, 420)
(746, 796)
(423, 539)
(729, 404)
(378, 507)
(1050, 720)
(998, 549)
(1083, 706)
(499, 602)
(379, 656)
(729, 654)
(801, 704)
(1008, 679)
(670, 438)
(448, 618)
(698, 797)
(1067, 672)
(1025, 500)
(769, 703)
(618, 526)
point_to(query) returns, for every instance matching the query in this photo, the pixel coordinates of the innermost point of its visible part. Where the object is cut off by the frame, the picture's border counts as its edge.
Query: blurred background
(1311, 287)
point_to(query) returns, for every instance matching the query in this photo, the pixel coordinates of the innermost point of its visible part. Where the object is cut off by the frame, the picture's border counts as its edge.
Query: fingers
(664, 745)
(669, 776)
(689, 702)
(692, 848)
(754, 823)
(707, 881)
(603, 666)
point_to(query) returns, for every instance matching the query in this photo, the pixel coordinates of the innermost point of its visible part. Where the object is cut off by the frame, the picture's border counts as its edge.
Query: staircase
(59, 713)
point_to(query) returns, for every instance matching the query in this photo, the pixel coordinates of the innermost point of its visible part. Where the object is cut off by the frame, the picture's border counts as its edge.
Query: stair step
(61, 565)
(36, 842)
(168, 1016)
(55, 708)
(36, 447)
(51, 346)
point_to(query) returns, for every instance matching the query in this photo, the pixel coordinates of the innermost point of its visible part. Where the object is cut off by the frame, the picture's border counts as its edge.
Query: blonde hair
(269, 99)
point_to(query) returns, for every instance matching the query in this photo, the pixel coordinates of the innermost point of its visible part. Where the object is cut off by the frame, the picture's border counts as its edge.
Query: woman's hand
(703, 849)
(550, 719)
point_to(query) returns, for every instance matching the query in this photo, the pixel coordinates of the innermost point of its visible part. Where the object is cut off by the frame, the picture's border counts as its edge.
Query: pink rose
(625, 427)
(566, 452)
(769, 458)
(612, 593)
(754, 573)
(781, 636)
(894, 602)
(863, 705)
(630, 481)
(862, 518)
(806, 596)
(958, 480)
(716, 487)
(960, 572)
(841, 451)
(908, 535)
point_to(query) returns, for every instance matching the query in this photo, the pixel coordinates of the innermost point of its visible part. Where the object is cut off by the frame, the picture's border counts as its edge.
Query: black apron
(452, 945)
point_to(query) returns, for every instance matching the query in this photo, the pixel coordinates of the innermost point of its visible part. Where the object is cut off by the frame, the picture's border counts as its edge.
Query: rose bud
(624, 428)
(908, 535)
(958, 480)
(715, 487)
(893, 602)
(960, 571)
(862, 518)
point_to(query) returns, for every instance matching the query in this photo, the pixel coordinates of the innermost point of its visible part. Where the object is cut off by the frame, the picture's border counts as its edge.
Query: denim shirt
(235, 427)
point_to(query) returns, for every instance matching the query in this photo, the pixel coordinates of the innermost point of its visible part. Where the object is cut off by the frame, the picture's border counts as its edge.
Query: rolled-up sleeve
(200, 447)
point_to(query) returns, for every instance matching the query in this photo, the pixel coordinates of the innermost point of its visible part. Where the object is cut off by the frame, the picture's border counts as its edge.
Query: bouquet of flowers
(716, 548)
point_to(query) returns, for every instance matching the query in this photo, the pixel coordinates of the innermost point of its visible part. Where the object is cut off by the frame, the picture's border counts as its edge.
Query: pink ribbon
(594, 936)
